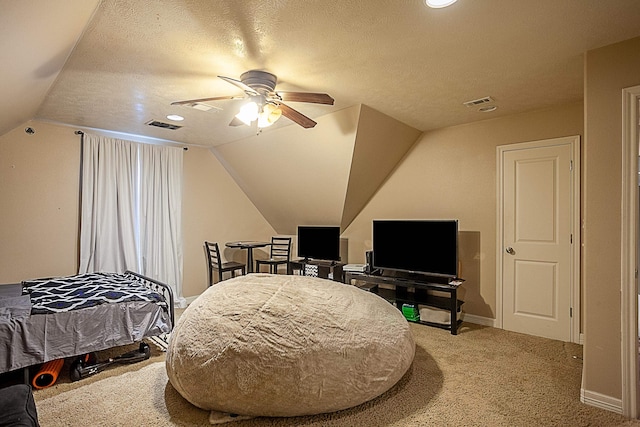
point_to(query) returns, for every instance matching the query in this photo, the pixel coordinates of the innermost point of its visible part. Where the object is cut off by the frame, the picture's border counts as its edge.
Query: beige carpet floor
(481, 377)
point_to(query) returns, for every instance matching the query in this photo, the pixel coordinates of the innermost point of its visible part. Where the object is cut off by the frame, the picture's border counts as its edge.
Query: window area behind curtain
(131, 207)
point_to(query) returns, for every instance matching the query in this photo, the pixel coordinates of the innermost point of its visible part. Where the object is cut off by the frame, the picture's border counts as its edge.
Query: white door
(537, 216)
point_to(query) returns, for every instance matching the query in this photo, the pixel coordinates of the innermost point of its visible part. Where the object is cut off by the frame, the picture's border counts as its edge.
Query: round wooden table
(249, 245)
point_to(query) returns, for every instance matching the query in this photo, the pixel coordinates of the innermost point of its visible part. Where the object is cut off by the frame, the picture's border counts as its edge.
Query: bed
(54, 318)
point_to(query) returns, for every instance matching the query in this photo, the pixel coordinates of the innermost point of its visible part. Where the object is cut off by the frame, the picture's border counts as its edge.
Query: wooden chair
(279, 254)
(214, 262)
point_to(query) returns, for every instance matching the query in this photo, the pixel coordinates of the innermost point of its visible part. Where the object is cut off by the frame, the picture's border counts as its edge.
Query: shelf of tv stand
(400, 295)
(325, 268)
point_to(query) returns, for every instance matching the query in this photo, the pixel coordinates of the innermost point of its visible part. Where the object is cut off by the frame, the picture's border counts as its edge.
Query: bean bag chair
(287, 345)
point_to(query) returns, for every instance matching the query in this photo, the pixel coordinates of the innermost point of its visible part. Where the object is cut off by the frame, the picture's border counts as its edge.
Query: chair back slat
(281, 248)
(215, 263)
(280, 254)
(213, 253)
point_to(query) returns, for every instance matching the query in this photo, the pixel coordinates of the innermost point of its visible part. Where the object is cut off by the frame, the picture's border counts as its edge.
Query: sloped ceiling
(381, 143)
(412, 63)
(395, 69)
(320, 178)
(36, 39)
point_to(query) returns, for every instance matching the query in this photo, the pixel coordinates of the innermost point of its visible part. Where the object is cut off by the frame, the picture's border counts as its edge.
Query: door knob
(510, 250)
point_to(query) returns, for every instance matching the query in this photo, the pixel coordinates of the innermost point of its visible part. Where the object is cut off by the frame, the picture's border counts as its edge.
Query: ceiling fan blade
(236, 122)
(248, 90)
(315, 98)
(195, 101)
(296, 116)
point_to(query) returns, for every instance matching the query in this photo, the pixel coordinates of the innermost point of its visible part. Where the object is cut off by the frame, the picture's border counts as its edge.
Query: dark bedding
(59, 294)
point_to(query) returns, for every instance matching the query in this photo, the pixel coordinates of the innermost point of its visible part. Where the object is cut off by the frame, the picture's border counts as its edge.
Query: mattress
(45, 328)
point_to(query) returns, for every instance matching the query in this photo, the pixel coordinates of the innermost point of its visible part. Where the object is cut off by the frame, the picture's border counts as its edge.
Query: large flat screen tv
(319, 242)
(427, 247)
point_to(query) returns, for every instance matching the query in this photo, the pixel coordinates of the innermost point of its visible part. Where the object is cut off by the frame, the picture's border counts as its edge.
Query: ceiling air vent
(163, 125)
(203, 107)
(480, 101)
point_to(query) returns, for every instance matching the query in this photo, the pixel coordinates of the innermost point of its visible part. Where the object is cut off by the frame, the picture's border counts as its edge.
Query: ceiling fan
(266, 104)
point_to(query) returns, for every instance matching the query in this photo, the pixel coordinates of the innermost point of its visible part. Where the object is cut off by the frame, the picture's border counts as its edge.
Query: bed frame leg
(25, 373)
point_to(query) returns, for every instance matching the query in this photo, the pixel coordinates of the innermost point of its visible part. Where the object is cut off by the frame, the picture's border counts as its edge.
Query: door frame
(574, 141)
(629, 262)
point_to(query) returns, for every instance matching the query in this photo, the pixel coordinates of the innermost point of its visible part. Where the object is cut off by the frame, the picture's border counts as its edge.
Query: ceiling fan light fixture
(437, 4)
(258, 87)
(248, 113)
(270, 114)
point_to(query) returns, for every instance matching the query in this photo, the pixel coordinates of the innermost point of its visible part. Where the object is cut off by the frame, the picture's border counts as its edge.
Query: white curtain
(161, 214)
(107, 218)
(131, 206)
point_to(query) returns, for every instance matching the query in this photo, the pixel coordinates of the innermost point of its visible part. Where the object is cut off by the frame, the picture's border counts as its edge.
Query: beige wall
(608, 71)
(324, 176)
(296, 176)
(39, 181)
(451, 173)
(39, 189)
(214, 209)
(381, 142)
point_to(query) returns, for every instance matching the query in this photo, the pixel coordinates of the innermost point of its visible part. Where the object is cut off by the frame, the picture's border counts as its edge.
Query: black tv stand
(401, 294)
(325, 268)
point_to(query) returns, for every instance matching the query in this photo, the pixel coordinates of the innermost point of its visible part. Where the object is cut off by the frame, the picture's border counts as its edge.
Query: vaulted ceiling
(117, 64)
(394, 68)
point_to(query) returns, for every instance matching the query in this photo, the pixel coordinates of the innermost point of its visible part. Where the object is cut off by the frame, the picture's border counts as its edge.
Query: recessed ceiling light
(437, 4)
(175, 117)
(488, 109)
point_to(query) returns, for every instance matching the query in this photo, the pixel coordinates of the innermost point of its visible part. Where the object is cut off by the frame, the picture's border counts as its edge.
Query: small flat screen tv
(427, 247)
(319, 242)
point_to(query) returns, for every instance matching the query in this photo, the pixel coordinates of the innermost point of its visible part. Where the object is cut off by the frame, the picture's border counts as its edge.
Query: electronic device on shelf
(355, 268)
(416, 247)
(319, 242)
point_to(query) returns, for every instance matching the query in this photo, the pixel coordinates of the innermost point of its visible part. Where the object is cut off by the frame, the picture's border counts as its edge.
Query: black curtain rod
(79, 132)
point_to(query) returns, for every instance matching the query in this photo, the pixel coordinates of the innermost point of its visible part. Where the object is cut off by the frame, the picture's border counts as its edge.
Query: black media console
(408, 291)
(325, 268)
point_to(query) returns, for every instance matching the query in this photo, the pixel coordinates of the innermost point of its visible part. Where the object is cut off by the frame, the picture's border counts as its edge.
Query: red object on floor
(48, 374)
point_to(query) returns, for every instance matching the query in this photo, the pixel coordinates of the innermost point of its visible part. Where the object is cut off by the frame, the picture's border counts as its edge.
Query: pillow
(10, 290)
(15, 307)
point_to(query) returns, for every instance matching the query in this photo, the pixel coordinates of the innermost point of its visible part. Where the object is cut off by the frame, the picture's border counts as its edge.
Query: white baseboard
(191, 299)
(486, 321)
(601, 401)
(478, 320)
(180, 302)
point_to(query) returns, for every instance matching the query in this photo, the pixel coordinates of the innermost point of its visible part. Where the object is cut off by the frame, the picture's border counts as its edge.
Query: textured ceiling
(415, 64)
